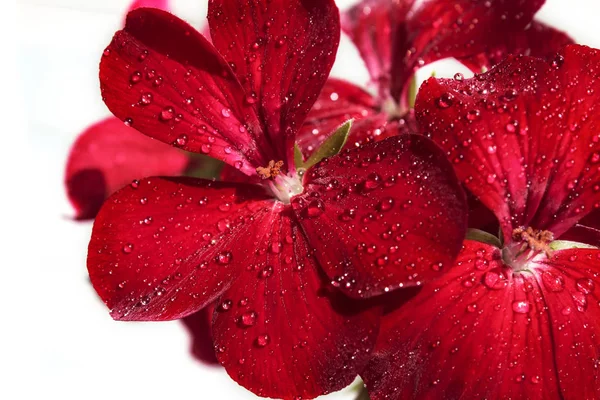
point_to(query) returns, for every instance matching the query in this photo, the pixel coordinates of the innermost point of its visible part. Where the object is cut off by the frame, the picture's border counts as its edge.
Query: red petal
(484, 331)
(338, 102)
(198, 326)
(537, 40)
(523, 137)
(281, 331)
(459, 29)
(372, 24)
(282, 52)
(164, 78)
(586, 231)
(164, 248)
(385, 215)
(481, 217)
(109, 155)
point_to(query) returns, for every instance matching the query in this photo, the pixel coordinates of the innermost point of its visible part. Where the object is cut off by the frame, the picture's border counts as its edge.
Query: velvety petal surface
(167, 81)
(282, 51)
(386, 215)
(338, 102)
(109, 155)
(537, 40)
(463, 28)
(372, 25)
(163, 248)
(484, 331)
(523, 137)
(281, 330)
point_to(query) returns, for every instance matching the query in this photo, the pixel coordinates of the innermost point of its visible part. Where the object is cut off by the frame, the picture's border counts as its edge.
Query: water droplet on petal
(128, 248)
(181, 140)
(135, 77)
(224, 257)
(248, 318)
(167, 113)
(445, 100)
(263, 340)
(520, 306)
(314, 208)
(373, 181)
(146, 99)
(585, 285)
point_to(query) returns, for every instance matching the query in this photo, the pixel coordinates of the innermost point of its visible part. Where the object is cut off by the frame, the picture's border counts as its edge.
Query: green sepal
(298, 157)
(567, 244)
(412, 92)
(330, 147)
(201, 166)
(483, 237)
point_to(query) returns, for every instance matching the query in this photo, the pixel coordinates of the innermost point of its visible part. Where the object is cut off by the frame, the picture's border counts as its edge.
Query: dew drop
(386, 204)
(128, 248)
(248, 319)
(225, 305)
(445, 100)
(373, 181)
(181, 140)
(167, 113)
(224, 257)
(314, 208)
(146, 99)
(585, 285)
(520, 306)
(263, 340)
(226, 112)
(135, 77)
(553, 282)
(266, 272)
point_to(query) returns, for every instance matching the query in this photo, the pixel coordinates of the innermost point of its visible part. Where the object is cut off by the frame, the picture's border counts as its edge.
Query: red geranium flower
(516, 317)
(395, 39)
(371, 219)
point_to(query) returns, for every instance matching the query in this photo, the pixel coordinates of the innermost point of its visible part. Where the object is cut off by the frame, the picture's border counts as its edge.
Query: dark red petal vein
(282, 51)
(385, 215)
(280, 330)
(484, 331)
(167, 81)
(109, 155)
(163, 248)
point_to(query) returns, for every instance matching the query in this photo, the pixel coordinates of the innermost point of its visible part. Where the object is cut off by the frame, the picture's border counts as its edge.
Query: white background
(56, 338)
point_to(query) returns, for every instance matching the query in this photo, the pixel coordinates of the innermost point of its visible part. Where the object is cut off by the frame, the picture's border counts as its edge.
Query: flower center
(281, 186)
(527, 244)
(271, 170)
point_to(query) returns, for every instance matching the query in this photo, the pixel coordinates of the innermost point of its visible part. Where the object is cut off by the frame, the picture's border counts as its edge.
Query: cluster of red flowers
(307, 246)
